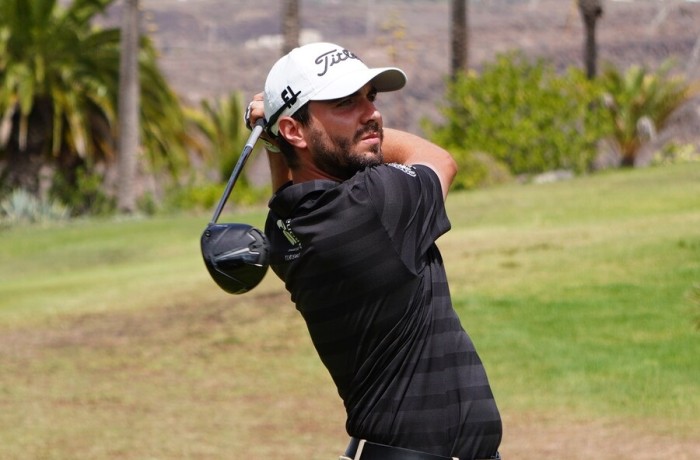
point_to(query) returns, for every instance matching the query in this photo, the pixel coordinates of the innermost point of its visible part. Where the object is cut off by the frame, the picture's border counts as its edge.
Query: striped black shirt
(360, 262)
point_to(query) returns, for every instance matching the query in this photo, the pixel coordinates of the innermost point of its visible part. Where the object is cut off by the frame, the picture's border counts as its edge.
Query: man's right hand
(255, 112)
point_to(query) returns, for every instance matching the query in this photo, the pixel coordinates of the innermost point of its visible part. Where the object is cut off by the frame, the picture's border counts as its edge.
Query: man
(352, 229)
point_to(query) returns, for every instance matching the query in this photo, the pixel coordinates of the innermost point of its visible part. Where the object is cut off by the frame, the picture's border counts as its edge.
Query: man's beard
(334, 155)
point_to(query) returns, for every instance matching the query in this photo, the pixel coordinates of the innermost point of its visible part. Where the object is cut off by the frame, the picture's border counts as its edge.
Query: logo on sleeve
(407, 169)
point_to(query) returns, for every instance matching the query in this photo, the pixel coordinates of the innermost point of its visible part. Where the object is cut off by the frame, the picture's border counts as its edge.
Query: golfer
(352, 226)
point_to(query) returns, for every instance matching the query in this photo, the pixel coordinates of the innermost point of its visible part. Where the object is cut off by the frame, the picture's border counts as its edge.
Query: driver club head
(236, 255)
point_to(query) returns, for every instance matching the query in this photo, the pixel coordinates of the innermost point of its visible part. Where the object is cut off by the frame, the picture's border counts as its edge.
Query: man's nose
(370, 112)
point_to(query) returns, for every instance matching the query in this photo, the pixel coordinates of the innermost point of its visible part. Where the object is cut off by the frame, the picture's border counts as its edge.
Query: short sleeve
(409, 203)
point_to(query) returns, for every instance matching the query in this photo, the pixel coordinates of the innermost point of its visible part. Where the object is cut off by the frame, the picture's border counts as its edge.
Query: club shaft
(250, 143)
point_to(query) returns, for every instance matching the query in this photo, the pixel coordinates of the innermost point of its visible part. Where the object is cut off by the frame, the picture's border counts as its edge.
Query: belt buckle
(377, 451)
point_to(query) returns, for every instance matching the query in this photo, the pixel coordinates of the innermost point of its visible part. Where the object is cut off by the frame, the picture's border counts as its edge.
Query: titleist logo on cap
(333, 57)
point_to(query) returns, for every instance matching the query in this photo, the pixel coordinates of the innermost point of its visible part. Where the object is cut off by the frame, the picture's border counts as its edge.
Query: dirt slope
(212, 47)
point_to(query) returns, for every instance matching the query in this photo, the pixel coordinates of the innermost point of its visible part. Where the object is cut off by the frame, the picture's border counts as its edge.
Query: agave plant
(23, 207)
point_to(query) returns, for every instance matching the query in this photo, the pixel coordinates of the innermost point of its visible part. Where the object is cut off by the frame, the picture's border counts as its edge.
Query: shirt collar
(291, 197)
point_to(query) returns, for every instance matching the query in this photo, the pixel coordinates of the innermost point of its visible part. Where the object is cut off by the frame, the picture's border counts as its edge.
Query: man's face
(345, 135)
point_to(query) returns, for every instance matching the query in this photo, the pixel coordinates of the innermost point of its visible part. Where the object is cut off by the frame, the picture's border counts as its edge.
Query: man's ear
(292, 131)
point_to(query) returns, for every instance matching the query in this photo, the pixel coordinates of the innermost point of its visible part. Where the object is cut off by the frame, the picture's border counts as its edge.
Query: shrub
(205, 197)
(524, 115)
(84, 194)
(477, 169)
(191, 197)
(673, 152)
(21, 207)
(694, 297)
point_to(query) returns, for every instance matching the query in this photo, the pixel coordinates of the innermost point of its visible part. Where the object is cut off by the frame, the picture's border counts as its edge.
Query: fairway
(581, 297)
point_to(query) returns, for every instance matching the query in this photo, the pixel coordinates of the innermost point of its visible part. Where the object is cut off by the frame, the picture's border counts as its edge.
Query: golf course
(582, 297)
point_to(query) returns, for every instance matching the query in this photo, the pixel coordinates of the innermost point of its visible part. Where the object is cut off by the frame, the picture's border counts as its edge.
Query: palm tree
(641, 100)
(591, 11)
(59, 85)
(52, 96)
(290, 25)
(221, 123)
(128, 107)
(459, 37)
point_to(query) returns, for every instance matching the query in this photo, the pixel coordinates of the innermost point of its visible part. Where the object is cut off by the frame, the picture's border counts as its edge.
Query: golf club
(235, 254)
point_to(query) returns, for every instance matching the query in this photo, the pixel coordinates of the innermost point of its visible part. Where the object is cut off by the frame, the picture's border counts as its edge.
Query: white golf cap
(320, 72)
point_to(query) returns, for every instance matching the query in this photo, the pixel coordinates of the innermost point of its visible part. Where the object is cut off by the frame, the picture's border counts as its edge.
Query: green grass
(89, 266)
(115, 343)
(578, 293)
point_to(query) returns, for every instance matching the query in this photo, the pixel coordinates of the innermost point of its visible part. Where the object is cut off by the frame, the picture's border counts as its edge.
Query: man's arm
(409, 149)
(279, 171)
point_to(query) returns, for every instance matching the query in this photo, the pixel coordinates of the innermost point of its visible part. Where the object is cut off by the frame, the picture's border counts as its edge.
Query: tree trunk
(25, 152)
(459, 37)
(129, 89)
(591, 11)
(290, 25)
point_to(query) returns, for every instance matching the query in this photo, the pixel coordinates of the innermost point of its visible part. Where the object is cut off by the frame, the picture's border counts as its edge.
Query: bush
(84, 194)
(523, 115)
(673, 153)
(477, 169)
(205, 197)
(197, 198)
(694, 296)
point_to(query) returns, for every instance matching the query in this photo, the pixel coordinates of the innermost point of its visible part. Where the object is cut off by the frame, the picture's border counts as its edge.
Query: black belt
(365, 450)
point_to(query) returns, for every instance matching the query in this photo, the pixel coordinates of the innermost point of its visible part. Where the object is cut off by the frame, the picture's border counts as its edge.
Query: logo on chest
(286, 229)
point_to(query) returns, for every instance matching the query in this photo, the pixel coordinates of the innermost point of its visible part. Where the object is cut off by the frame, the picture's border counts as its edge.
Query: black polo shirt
(360, 262)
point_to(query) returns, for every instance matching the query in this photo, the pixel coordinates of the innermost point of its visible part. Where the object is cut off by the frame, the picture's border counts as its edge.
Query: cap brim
(383, 78)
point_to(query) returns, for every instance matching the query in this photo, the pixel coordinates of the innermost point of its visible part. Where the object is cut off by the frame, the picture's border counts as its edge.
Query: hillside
(212, 47)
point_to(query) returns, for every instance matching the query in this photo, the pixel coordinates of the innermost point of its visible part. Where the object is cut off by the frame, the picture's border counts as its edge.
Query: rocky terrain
(210, 48)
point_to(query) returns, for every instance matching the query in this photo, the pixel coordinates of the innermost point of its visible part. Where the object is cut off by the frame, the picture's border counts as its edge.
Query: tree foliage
(221, 129)
(639, 102)
(53, 77)
(523, 115)
(222, 123)
(59, 90)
